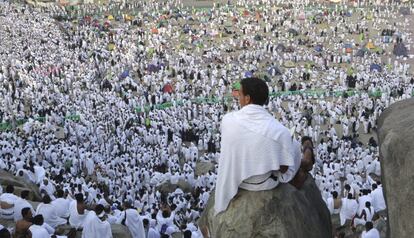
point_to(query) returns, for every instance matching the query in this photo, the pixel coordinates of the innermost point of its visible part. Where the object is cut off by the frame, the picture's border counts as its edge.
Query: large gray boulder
(19, 184)
(167, 187)
(203, 168)
(283, 212)
(396, 136)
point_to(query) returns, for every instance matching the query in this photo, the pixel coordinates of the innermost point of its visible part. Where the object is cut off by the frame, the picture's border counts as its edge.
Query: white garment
(8, 198)
(50, 215)
(40, 173)
(361, 201)
(38, 232)
(348, 210)
(369, 213)
(18, 206)
(373, 233)
(133, 222)
(62, 207)
(96, 228)
(292, 170)
(152, 233)
(378, 201)
(253, 143)
(75, 219)
(330, 203)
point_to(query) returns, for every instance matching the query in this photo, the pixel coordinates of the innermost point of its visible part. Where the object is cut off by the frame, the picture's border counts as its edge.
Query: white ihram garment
(253, 144)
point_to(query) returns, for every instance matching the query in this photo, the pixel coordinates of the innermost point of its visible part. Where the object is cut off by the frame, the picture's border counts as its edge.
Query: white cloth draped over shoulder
(134, 222)
(253, 143)
(95, 227)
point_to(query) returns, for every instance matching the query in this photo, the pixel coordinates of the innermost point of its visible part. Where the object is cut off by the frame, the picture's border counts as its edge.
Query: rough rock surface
(283, 212)
(168, 187)
(19, 184)
(203, 168)
(396, 136)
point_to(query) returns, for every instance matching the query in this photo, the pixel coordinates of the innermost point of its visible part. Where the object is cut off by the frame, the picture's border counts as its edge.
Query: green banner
(7, 126)
(326, 93)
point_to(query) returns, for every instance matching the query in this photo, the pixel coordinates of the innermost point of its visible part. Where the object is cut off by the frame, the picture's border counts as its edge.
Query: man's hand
(283, 168)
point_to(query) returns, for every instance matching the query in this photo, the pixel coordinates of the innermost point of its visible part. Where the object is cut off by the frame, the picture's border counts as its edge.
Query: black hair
(79, 197)
(46, 199)
(9, 189)
(347, 187)
(99, 209)
(367, 204)
(256, 89)
(374, 186)
(5, 233)
(369, 225)
(335, 194)
(165, 213)
(145, 222)
(25, 194)
(38, 220)
(60, 193)
(306, 138)
(25, 211)
(187, 234)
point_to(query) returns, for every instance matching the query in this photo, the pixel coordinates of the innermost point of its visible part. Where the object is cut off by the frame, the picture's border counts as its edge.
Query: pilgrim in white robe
(373, 233)
(94, 227)
(62, 207)
(75, 219)
(134, 222)
(378, 201)
(49, 214)
(38, 231)
(348, 210)
(253, 145)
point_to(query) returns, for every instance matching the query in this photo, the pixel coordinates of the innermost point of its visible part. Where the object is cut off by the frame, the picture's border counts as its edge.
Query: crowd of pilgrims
(105, 167)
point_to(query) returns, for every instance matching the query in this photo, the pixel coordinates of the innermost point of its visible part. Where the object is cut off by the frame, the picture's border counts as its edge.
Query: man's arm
(5, 205)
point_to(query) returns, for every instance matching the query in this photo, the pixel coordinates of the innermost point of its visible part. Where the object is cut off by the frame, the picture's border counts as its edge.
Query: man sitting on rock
(255, 149)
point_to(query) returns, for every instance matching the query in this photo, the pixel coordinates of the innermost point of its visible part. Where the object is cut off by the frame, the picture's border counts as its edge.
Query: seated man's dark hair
(79, 197)
(38, 220)
(60, 193)
(369, 225)
(25, 211)
(9, 189)
(5, 233)
(46, 199)
(25, 194)
(257, 89)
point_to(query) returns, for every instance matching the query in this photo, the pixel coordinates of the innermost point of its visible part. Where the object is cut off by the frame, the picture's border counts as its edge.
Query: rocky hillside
(396, 136)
